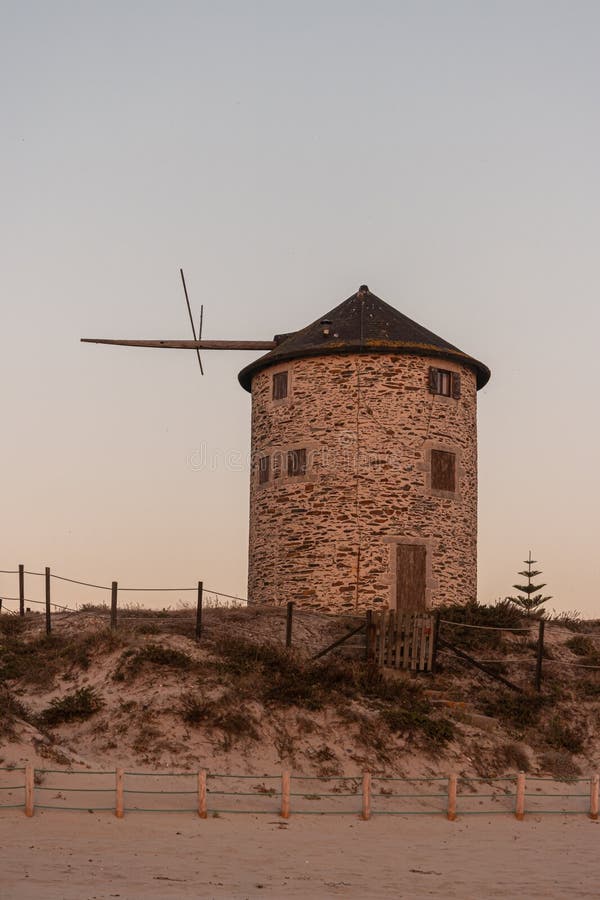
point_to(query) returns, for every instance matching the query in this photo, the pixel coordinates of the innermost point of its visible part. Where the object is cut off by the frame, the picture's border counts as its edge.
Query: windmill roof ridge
(361, 323)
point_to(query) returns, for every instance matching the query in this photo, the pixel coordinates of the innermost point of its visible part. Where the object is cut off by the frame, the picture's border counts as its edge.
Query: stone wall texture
(368, 422)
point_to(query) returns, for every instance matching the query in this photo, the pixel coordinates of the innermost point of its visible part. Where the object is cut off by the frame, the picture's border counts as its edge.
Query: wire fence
(206, 794)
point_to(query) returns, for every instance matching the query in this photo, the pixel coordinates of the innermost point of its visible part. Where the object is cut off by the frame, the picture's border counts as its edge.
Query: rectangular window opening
(443, 471)
(264, 469)
(280, 385)
(444, 382)
(296, 462)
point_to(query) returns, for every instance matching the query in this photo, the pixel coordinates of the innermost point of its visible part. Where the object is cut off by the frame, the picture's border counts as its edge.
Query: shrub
(513, 756)
(195, 710)
(560, 765)
(581, 645)
(571, 620)
(80, 705)
(520, 710)
(10, 710)
(564, 737)
(241, 656)
(133, 661)
(499, 615)
(588, 687)
(439, 732)
(11, 625)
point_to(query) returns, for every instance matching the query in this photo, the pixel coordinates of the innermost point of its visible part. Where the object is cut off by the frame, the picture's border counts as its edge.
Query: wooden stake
(452, 791)
(594, 784)
(285, 795)
(199, 611)
(369, 635)
(366, 796)
(288, 623)
(520, 798)
(48, 617)
(540, 656)
(29, 789)
(435, 639)
(202, 811)
(113, 604)
(21, 589)
(119, 795)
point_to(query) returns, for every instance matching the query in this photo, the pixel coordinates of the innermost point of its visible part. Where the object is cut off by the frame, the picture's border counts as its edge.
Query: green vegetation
(497, 615)
(580, 644)
(528, 600)
(133, 661)
(564, 737)
(278, 677)
(439, 732)
(81, 704)
(40, 659)
(519, 710)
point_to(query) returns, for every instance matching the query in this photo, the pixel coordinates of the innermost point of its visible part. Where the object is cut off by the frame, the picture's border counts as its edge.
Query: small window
(443, 470)
(280, 385)
(444, 382)
(264, 469)
(296, 462)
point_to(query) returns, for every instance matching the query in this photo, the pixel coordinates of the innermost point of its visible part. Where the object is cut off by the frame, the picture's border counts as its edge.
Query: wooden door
(410, 577)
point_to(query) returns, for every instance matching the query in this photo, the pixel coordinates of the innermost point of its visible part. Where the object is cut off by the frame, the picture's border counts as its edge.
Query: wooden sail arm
(188, 345)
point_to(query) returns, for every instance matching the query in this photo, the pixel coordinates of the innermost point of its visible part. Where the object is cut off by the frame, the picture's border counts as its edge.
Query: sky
(283, 153)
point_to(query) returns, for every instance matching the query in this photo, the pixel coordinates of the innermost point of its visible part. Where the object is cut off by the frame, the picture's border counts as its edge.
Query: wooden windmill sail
(196, 344)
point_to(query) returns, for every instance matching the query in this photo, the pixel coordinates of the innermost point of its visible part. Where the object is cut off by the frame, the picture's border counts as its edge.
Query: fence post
(520, 798)
(288, 623)
(285, 795)
(48, 616)
(21, 589)
(594, 784)
(29, 788)
(540, 656)
(119, 804)
(113, 604)
(199, 611)
(368, 634)
(452, 790)
(202, 811)
(366, 796)
(436, 637)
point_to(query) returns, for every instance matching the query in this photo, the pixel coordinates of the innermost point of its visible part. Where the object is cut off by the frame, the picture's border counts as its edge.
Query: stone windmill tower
(363, 486)
(364, 464)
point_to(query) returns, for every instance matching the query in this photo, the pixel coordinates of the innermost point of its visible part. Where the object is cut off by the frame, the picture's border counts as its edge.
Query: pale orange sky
(283, 154)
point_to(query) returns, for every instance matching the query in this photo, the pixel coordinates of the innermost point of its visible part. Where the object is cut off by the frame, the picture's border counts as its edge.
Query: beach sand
(85, 856)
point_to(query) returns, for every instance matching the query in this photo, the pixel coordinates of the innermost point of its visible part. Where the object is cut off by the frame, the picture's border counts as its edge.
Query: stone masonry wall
(326, 539)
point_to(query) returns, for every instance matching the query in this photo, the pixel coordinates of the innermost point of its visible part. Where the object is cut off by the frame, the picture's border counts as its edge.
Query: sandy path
(92, 857)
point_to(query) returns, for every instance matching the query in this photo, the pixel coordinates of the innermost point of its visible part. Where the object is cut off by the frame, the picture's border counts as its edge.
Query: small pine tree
(529, 600)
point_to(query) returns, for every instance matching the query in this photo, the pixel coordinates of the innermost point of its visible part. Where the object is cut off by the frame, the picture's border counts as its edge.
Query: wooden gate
(402, 640)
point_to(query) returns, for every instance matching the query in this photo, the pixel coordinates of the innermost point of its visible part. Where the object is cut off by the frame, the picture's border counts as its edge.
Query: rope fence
(363, 795)
(110, 608)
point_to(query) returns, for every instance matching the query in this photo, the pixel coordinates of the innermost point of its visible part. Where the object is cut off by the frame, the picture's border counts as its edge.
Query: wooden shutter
(455, 385)
(434, 380)
(443, 470)
(264, 469)
(280, 385)
(296, 462)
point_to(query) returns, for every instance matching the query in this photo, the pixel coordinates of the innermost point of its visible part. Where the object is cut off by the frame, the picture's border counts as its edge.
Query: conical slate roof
(362, 324)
